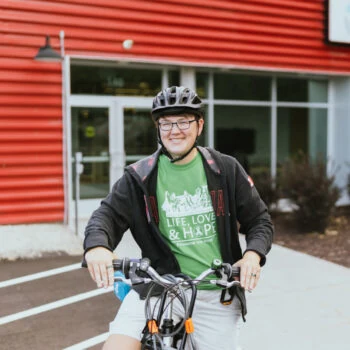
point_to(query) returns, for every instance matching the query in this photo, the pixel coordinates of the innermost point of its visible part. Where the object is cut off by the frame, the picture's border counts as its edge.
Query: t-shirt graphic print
(192, 215)
(187, 219)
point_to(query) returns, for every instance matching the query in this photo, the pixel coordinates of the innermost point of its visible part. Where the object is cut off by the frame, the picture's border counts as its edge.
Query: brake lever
(225, 284)
(135, 279)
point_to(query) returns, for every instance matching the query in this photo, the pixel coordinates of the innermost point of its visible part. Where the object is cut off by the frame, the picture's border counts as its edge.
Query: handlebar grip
(122, 265)
(130, 266)
(236, 271)
(118, 264)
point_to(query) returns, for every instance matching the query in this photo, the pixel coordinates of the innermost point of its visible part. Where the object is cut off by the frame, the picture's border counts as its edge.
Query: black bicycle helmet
(176, 100)
(172, 101)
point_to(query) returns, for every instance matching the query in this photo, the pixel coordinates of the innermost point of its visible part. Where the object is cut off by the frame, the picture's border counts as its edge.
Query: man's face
(178, 141)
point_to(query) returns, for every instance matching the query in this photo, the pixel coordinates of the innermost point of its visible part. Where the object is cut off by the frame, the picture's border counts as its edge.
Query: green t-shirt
(186, 216)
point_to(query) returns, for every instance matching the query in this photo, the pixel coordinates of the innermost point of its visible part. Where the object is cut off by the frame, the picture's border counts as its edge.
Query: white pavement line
(89, 342)
(38, 275)
(54, 305)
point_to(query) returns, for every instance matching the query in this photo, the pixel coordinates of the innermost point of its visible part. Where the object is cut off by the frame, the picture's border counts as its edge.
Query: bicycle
(160, 332)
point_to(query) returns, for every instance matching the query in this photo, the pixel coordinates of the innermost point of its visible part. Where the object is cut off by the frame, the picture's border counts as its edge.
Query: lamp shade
(47, 53)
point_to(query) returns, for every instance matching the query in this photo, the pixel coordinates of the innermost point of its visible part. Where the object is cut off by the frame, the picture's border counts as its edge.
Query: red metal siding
(31, 173)
(265, 34)
(284, 34)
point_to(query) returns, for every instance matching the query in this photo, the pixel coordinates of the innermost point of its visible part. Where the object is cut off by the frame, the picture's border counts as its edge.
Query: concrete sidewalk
(37, 240)
(301, 301)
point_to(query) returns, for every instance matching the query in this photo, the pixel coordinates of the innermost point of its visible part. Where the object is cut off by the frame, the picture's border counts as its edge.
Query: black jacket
(132, 204)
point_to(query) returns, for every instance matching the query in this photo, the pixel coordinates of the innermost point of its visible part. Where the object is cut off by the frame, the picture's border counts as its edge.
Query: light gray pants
(216, 326)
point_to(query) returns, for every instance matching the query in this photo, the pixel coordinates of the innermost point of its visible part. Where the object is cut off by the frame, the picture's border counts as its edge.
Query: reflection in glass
(203, 138)
(301, 90)
(301, 130)
(202, 81)
(90, 130)
(242, 87)
(244, 132)
(94, 182)
(140, 136)
(115, 81)
(174, 78)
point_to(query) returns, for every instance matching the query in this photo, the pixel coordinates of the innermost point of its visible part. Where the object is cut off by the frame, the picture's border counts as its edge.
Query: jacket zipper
(153, 224)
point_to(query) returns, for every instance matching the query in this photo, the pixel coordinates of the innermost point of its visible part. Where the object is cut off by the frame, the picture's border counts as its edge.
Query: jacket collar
(207, 155)
(144, 167)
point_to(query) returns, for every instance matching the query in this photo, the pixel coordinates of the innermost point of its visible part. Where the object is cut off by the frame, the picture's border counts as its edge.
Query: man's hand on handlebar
(99, 261)
(250, 270)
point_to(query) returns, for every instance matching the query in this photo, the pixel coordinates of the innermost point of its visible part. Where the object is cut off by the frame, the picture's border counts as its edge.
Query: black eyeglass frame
(185, 124)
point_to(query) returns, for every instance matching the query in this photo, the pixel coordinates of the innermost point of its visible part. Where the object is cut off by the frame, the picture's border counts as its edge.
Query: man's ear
(200, 126)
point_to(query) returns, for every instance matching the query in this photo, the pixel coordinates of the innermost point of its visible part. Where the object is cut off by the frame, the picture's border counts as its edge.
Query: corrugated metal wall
(31, 175)
(283, 34)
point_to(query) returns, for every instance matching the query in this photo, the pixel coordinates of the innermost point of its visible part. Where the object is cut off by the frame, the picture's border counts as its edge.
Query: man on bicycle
(182, 205)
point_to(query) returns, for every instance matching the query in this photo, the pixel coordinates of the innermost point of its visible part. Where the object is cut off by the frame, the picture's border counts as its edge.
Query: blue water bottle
(121, 289)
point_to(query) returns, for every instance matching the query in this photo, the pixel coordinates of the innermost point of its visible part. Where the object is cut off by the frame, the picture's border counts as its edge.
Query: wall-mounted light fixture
(47, 53)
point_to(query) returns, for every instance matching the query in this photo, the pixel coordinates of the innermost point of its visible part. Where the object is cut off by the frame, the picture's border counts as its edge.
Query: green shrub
(265, 185)
(306, 183)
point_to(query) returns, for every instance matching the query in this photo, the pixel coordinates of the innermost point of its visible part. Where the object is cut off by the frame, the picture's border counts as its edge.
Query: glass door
(90, 126)
(140, 138)
(110, 132)
(90, 130)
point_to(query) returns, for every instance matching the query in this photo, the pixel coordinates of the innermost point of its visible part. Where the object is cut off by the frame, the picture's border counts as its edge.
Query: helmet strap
(173, 160)
(165, 151)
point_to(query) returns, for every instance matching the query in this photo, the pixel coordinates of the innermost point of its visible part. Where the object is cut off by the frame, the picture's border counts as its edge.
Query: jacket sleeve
(252, 215)
(109, 222)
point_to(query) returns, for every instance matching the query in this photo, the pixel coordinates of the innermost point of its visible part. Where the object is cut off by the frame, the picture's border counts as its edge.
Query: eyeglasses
(182, 125)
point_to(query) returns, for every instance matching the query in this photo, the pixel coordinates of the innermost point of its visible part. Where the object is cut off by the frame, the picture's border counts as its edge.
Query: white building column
(338, 134)
(188, 77)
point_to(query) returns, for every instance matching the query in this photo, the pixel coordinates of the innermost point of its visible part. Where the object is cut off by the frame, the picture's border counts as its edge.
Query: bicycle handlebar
(130, 268)
(139, 271)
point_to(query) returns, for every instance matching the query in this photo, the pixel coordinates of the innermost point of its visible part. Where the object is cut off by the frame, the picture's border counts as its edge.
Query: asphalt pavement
(302, 302)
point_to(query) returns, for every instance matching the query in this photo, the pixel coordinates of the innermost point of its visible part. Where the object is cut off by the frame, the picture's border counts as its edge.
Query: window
(202, 84)
(242, 87)
(140, 135)
(203, 139)
(301, 90)
(244, 132)
(115, 81)
(243, 111)
(301, 130)
(174, 77)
